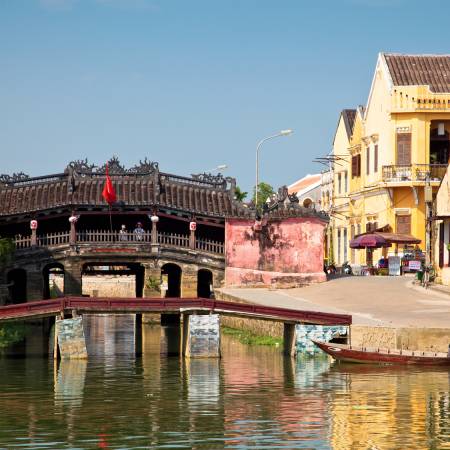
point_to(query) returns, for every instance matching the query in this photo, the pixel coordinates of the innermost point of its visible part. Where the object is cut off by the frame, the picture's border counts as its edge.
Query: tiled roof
(178, 193)
(413, 70)
(304, 183)
(349, 119)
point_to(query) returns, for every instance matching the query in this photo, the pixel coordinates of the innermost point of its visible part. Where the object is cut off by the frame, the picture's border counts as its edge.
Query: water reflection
(251, 398)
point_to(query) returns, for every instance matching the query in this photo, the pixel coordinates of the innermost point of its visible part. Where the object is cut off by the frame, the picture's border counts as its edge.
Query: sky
(193, 84)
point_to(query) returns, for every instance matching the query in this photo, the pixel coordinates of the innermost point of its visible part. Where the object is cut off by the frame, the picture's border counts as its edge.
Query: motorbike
(347, 268)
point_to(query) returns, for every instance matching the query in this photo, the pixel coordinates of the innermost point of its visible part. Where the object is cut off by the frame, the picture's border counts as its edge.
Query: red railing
(142, 305)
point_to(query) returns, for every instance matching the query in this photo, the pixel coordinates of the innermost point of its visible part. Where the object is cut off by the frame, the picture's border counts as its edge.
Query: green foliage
(245, 337)
(7, 248)
(265, 190)
(153, 283)
(11, 333)
(239, 195)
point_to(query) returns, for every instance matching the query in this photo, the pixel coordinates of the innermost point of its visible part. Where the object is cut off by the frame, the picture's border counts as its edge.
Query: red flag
(109, 194)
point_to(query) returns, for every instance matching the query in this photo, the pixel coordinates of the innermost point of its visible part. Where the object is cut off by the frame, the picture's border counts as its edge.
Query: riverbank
(11, 333)
(387, 311)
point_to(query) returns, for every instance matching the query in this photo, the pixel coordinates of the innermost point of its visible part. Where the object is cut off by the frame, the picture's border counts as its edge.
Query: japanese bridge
(75, 233)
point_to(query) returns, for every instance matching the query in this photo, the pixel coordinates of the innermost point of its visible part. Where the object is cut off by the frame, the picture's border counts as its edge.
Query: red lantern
(33, 224)
(192, 226)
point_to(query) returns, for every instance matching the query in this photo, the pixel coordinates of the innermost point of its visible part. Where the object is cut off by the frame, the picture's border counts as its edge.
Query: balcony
(414, 172)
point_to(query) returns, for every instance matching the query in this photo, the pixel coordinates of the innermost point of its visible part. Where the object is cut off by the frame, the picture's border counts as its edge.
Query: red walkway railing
(160, 305)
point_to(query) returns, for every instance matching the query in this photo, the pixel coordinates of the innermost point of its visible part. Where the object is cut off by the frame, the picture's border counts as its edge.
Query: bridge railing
(115, 237)
(173, 239)
(209, 246)
(52, 239)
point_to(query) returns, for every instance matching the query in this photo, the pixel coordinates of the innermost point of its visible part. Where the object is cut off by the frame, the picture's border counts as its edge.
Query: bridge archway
(173, 274)
(204, 283)
(96, 284)
(53, 275)
(17, 281)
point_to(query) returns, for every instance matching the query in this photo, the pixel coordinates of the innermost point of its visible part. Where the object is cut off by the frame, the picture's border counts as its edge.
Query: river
(252, 398)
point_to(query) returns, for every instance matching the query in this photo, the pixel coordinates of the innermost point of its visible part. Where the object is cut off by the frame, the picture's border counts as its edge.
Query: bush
(10, 333)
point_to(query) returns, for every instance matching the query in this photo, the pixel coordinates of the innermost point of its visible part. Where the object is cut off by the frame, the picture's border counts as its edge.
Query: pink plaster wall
(285, 252)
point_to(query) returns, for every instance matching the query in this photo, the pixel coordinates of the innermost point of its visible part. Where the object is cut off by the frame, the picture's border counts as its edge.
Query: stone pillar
(152, 280)
(170, 334)
(192, 228)
(289, 340)
(189, 282)
(33, 238)
(35, 285)
(72, 279)
(201, 336)
(73, 230)
(70, 336)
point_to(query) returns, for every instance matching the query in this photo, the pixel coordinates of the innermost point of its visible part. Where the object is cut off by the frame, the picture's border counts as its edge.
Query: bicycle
(428, 276)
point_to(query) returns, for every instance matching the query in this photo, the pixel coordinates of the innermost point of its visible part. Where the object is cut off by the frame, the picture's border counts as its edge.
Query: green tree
(265, 190)
(6, 249)
(239, 195)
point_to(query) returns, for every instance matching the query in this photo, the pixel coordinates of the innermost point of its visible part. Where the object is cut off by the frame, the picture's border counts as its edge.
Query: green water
(252, 398)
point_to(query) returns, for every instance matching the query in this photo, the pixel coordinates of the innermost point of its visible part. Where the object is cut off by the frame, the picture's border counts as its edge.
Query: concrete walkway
(382, 301)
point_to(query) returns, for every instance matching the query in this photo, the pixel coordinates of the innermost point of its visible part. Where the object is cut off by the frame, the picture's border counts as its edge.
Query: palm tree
(239, 195)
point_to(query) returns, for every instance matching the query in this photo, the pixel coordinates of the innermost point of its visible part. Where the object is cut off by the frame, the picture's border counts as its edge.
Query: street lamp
(281, 133)
(220, 167)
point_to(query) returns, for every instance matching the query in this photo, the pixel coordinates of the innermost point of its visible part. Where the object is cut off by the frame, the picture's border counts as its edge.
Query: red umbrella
(369, 241)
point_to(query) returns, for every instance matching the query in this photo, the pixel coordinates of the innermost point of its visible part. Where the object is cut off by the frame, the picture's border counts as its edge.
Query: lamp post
(281, 133)
(219, 167)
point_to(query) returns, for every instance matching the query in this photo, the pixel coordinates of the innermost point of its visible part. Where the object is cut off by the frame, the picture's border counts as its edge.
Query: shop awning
(377, 239)
(398, 238)
(368, 240)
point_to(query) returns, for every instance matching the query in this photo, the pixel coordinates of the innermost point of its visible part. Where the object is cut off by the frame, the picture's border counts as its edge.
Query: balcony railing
(414, 172)
(99, 237)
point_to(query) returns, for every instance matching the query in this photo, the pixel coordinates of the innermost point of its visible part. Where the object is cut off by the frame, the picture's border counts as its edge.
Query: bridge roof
(143, 186)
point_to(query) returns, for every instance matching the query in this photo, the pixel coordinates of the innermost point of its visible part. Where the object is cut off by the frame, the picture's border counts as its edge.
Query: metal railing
(157, 304)
(414, 172)
(116, 237)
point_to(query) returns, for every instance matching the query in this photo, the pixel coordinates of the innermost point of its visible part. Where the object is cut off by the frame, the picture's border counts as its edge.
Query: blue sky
(193, 84)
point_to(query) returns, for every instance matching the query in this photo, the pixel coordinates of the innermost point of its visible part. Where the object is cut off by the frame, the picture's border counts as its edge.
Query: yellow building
(399, 143)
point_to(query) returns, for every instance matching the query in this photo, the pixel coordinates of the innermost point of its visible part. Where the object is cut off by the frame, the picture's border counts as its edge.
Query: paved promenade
(383, 301)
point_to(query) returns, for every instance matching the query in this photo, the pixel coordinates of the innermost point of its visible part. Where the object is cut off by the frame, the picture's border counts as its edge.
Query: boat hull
(361, 356)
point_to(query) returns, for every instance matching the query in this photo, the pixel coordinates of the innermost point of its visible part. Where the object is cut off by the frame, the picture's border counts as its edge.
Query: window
(339, 183)
(404, 149)
(345, 244)
(367, 160)
(375, 158)
(338, 245)
(403, 224)
(356, 165)
(346, 181)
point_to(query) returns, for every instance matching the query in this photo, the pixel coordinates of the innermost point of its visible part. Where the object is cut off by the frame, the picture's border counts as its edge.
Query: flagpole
(110, 218)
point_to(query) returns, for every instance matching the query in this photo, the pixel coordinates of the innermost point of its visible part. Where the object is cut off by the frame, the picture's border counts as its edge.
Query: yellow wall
(373, 197)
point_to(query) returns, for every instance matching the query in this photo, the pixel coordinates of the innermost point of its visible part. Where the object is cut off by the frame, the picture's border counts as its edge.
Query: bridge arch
(173, 273)
(204, 283)
(53, 275)
(94, 271)
(17, 285)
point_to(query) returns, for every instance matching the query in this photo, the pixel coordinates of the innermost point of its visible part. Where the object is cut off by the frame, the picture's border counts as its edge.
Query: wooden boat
(348, 353)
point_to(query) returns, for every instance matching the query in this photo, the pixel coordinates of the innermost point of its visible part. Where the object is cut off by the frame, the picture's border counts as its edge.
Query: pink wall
(285, 252)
